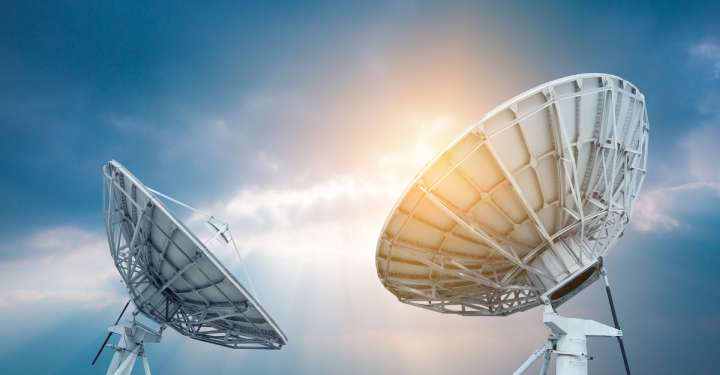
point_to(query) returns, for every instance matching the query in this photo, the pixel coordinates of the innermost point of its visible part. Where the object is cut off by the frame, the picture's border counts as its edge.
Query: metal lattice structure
(172, 277)
(525, 202)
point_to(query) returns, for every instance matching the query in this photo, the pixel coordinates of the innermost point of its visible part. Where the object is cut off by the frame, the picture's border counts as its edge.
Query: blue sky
(300, 125)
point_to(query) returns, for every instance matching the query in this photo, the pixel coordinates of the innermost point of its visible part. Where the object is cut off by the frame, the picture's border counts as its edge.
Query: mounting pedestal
(134, 335)
(568, 342)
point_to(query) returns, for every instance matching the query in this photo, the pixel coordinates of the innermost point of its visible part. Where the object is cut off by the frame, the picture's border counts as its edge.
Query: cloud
(652, 212)
(317, 214)
(708, 51)
(47, 242)
(60, 274)
(659, 209)
(267, 162)
(62, 266)
(284, 203)
(702, 152)
(656, 210)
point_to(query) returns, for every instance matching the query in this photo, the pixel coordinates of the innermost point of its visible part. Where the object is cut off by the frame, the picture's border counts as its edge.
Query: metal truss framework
(150, 250)
(531, 197)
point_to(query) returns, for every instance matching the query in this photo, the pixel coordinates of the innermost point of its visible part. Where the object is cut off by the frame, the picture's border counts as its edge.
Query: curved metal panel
(172, 277)
(524, 202)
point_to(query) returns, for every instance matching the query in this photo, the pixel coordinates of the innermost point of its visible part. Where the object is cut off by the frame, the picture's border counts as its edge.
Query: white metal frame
(128, 227)
(507, 282)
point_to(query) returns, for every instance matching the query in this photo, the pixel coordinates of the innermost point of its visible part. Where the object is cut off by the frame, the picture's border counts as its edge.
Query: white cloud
(282, 203)
(658, 208)
(64, 272)
(380, 178)
(651, 212)
(66, 265)
(710, 51)
(655, 209)
(267, 162)
(702, 152)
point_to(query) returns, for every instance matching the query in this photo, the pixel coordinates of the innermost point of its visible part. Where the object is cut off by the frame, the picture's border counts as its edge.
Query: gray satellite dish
(521, 208)
(173, 278)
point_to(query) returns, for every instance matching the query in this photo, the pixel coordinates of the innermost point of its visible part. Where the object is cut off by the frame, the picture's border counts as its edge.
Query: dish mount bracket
(568, 341)
(134, 336)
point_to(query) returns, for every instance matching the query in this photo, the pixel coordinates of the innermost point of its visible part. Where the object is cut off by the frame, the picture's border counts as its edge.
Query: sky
(300, 124)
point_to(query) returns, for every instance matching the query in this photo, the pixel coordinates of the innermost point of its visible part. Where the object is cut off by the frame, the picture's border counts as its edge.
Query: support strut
(107, 338)
(615, 321)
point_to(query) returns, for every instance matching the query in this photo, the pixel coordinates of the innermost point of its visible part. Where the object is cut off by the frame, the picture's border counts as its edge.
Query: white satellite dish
(521, 208)
(173, 278)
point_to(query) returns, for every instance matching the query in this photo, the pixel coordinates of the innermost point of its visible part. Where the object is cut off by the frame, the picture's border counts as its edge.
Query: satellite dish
(521, 208)
(173, 278)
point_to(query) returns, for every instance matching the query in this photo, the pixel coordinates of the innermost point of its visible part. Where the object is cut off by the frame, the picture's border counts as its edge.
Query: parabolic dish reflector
(171, 275)
(524, 203)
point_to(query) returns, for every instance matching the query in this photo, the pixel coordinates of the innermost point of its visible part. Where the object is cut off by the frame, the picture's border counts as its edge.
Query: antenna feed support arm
(562, 326)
